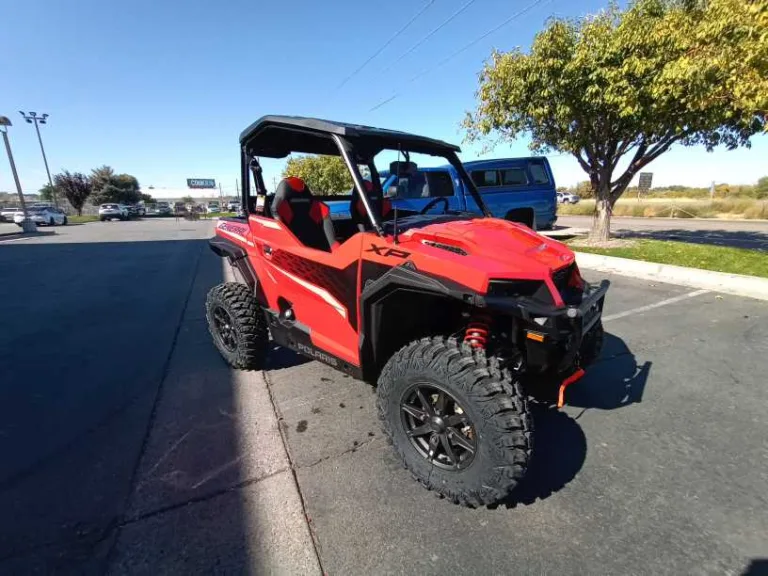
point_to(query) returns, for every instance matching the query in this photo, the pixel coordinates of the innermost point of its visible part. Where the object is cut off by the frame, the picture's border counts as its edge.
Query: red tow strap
(567, 382)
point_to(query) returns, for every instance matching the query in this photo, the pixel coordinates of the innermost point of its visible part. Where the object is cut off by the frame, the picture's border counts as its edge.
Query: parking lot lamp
(32, 117)
(26, 225)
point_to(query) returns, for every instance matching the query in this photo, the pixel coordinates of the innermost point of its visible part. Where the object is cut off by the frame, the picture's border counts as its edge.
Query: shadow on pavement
(117, 415)
(559, 452)
(560, 447)
(280, 357)
(613, 381)
(733, 238)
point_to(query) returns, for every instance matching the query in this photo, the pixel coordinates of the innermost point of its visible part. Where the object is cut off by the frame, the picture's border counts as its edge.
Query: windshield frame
(353, 153)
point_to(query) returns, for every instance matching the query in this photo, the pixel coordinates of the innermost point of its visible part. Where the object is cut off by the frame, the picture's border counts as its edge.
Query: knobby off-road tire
(592, 345)
(237, 325)
(491, 398)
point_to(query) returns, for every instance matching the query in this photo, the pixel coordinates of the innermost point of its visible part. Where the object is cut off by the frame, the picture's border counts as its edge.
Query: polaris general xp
(457, 318)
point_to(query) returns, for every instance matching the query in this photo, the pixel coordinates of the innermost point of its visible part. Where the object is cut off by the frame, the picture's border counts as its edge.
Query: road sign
(645, 181)
(201, 183)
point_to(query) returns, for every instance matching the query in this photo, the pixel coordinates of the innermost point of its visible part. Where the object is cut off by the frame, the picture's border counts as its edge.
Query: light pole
(31, 118)
(26, 225)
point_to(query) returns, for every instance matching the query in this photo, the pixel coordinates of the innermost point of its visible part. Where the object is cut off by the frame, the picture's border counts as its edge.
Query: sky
(162, 89)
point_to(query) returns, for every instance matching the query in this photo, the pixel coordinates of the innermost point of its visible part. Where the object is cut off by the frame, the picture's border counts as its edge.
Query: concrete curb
(738, 284)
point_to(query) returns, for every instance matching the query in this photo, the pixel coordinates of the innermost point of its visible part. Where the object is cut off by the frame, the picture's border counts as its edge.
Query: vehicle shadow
(615, 380)
(280, 357)
(559, 452)
(560, 449)
(137, 447)
(733, 238)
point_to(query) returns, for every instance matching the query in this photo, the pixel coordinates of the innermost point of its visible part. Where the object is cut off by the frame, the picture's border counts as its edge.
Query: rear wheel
(237, 325)
(459, 423)
(64, 222)
(51, 221)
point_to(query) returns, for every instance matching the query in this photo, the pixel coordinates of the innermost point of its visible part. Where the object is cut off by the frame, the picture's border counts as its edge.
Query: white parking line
(656, 305)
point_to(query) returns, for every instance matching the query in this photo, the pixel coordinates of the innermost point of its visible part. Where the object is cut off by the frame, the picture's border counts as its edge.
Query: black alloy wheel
(438, 427)
(224, 328)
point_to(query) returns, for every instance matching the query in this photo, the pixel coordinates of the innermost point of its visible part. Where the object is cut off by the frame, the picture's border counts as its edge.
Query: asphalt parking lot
(129, 447)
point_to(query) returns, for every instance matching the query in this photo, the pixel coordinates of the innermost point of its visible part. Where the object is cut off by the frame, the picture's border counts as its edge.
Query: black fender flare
(238, 257)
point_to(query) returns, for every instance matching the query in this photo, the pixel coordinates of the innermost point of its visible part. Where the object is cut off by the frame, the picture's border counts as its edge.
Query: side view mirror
(392, 192)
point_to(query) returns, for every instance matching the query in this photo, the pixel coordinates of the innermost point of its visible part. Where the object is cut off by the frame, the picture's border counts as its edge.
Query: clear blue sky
(161, 89)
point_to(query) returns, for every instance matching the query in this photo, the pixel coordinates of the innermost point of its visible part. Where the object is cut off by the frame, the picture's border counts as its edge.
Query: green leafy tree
(48, 193)
(584, 189)
(188, 200)
(618, 89)
(75, 187)
(147, 198)
(111, 187)
(100, 177)
(323, 174)
(761, 189)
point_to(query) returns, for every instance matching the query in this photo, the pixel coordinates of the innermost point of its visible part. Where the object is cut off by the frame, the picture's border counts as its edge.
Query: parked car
(515, 189)
(113, 211)
(567, 198)
(164, 209)
(233, 206)
(42, 215)
(134, 210)
(6, 214)
(213, 208)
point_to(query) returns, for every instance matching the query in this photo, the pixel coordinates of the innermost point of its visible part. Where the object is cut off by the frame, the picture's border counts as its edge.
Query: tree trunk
(79, 211)
(601, 224)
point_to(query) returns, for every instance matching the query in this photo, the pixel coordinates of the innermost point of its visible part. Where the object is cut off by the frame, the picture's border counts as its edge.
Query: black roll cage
(357, 145)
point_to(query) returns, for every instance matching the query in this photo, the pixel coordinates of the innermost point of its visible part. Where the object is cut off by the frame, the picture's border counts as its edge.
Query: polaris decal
(317, 354)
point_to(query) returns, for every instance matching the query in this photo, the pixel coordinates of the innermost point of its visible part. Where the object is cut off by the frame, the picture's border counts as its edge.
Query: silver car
(113, 211)
(42, 215)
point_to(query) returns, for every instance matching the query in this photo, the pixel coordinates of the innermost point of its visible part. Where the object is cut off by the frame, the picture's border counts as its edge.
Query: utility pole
(32, 117)
(26, 225)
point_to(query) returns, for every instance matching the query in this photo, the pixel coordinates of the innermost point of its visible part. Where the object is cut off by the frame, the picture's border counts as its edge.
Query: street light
(26, 225)
(31, 118)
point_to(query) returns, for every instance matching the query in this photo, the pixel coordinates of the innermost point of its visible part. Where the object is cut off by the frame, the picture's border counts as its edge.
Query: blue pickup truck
(517, 189)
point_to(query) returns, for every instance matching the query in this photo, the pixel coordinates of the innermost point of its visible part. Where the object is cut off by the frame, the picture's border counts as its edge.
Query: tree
(48, 193)
(188, 200)
(323, 174)
(111, 187)
(584, 189)
(100, 177)
(761, 189)
(618, 89)
(75, 187)
(147, 198)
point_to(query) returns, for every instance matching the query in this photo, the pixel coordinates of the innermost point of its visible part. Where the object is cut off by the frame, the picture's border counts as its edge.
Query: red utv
(456, 318)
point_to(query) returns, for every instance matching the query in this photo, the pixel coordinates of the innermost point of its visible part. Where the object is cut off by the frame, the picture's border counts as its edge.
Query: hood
(503, 249)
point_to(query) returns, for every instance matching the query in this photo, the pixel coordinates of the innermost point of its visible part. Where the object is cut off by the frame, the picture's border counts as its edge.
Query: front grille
(561, 277)
(569, 294)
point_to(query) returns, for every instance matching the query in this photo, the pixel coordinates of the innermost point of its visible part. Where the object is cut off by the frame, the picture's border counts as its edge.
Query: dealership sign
(201, 183)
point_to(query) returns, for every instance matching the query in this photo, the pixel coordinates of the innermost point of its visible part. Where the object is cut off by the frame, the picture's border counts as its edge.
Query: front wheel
(459, 423)
(237, 325)
(592, 344)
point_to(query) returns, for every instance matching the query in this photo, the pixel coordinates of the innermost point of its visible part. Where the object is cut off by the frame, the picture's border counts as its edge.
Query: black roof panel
(277, 136)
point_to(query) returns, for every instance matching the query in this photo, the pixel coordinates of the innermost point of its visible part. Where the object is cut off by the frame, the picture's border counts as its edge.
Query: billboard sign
(201, 183)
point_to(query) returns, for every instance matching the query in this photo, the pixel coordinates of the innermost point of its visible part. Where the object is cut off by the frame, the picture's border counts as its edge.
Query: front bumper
(563, 332)
(551, 337)
(35, 219)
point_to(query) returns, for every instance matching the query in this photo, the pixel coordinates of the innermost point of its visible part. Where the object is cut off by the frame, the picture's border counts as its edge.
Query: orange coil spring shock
(477, 332)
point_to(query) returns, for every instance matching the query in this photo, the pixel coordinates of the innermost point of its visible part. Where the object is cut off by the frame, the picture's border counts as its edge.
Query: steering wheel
(431, 204)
